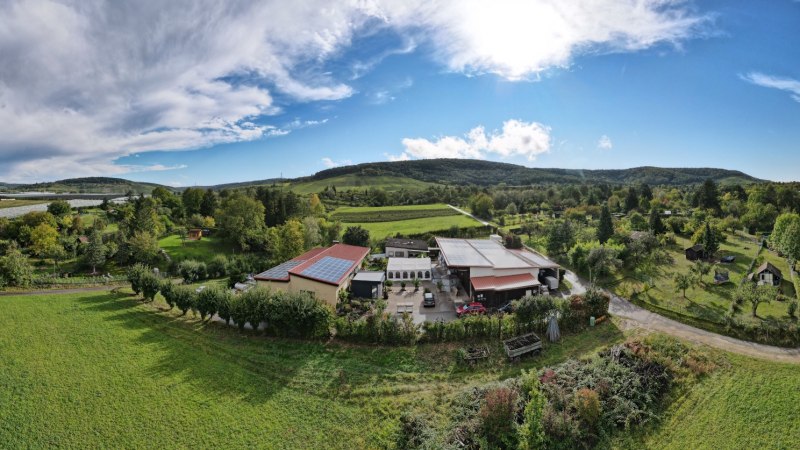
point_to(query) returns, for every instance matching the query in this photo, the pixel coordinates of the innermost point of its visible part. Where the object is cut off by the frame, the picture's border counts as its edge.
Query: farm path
(483, 222)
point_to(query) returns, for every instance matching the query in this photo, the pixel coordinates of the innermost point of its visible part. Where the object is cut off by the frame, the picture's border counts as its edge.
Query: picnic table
(405, 307)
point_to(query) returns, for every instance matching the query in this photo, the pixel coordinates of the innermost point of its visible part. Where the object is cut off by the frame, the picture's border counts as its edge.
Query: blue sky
(589, 85)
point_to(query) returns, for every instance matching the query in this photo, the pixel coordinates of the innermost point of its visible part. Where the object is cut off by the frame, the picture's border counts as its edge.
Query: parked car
(507, 308)
(429, 300)
(472, 308)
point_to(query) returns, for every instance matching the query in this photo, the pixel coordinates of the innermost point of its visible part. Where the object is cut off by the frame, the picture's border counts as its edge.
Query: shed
(368, 284)
(194, 234)
(695, 252)
(767, 274)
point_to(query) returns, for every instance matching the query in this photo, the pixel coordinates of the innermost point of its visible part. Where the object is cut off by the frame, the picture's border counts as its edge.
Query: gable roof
(770, 267)
(697, 247)
(329, 265)
(410, 244)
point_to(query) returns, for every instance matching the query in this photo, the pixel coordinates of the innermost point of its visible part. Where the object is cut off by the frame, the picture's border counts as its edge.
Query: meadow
(357, 181)
(382, 222)
(202, 250)
(103, 370)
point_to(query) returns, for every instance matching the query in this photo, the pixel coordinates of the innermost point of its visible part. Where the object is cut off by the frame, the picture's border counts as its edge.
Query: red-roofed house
(321, 271)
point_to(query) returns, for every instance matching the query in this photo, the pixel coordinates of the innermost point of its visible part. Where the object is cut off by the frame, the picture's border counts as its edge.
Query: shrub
(15, 269)
(587, 407)
(498, 417)
(297, 314)
(531, 433)
(185, 298)
(225, 305)
(167, 291)
(191, 270)
(208, 301)
(792, 309)
(135, 274)
(218, 266)
(150, 285)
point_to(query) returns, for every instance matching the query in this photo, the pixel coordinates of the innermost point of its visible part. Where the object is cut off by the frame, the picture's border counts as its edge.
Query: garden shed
(368, 284)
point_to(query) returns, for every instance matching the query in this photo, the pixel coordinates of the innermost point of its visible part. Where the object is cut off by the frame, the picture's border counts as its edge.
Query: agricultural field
(13, 203)
(103, 370)
(706, 300)
(407, 220)
(202, 250)
(356, 181)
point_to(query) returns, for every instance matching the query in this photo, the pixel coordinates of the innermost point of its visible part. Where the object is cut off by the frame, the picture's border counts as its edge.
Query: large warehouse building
(493, 274)
(321, 271)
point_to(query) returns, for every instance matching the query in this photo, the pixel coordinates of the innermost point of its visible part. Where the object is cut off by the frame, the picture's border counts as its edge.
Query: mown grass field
(383, 221)
(202, 250)
(354, 181)
(102, 370)
(709, 301)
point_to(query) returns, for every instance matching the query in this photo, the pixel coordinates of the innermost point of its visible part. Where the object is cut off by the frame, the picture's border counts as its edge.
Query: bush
(208, 301)
(498, 417)
(792, 309)
(167, 291)
(218, 266)
(135, 274)
(191, 270)
(298, 315)
(224, 305)
(185, 298)
(15, 269)
(150, 285)
(378, 328)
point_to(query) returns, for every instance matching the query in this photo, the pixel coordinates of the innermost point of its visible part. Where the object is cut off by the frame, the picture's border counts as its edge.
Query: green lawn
(751, 404)
(380, 230)
(102, 370)
(202, 250)
(706, 300)
(12, 203)
(361, 182)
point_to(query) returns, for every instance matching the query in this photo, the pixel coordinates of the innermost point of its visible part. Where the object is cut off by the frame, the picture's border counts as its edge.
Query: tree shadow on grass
(217, 358)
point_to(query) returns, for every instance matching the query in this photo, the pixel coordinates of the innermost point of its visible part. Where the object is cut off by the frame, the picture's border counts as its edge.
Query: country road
(485, 223)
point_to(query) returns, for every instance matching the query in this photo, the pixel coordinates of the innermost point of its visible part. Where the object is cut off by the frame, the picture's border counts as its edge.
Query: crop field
(102, 370)
(406, 220)
(202, 250)
(13, 203)
(355, 181)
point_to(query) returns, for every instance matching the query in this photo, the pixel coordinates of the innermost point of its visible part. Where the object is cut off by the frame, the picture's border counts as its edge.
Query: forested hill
(468, 171)
(88, 185)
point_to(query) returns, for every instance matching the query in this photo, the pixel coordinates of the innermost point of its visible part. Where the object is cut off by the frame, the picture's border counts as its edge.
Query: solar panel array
(328, 269)
(280, 271)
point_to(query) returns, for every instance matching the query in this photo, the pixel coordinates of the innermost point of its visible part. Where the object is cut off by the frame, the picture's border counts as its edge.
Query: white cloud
(604, 143)
(329, 163)
(83, 83)
(517, 138)
(789, 85)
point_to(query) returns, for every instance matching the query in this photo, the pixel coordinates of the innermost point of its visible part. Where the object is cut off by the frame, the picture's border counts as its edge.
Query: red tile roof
(504, 283)
(351, 253)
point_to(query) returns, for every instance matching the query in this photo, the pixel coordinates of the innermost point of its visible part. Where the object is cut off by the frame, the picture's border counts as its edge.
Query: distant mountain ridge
(420, 173)
(467, 171)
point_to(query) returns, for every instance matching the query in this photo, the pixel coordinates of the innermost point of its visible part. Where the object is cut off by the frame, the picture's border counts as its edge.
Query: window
(427, 274)
(391, 274)
(405, 274)
(419, 274)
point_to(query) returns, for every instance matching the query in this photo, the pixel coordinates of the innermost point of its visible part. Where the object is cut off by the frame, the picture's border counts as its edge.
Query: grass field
(354, 181)
(706, 300)
(428, 219)
(102, 370)
(202, 250)
(751, 404)
(15, 202)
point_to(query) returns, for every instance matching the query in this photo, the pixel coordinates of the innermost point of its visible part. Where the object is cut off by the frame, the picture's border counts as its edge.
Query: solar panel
(328, 269)
(280, 271)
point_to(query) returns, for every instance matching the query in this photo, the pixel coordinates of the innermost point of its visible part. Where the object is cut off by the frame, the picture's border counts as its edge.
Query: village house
(406, 248)
(696, 252)
(766, 274)
(323, 272)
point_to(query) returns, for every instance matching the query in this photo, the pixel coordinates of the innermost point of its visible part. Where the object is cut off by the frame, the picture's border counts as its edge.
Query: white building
(491, 273)
(405, 248)
(404, 269)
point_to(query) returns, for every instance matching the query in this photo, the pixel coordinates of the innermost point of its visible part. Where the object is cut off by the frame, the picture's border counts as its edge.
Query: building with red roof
(323, 272)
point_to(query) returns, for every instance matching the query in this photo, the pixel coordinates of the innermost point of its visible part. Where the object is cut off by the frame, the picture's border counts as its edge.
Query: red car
(472, 308)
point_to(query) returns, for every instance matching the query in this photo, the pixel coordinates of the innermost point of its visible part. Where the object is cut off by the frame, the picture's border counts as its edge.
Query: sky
(205, 92)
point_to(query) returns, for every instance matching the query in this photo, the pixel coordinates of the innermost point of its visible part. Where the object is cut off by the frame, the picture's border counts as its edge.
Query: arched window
(419, 274)
(405, 275)
(427, 274)
(391, 274)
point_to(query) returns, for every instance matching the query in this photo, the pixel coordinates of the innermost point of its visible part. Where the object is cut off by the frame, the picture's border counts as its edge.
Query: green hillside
(88, 185)
(357, 181)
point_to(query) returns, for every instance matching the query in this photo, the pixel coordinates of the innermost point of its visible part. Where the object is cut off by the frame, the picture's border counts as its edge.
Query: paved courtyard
(445, 308)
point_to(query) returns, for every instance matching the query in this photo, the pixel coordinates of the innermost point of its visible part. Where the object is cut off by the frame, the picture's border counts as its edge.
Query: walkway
(483, 222)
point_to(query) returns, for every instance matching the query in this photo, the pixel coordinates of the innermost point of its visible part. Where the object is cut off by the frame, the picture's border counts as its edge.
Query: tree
(135, 274)
(311, 232)
(560, 238)
(606, 227)
(15, 268)
(631, 199)
(292, 239)
(315, 205)
(655, 224)
(209, 204)
(241, 220)
(481, 205)
(531, 432)
(150, 285)
(208, 301)
(786, 235)
(193, 200)
(45, 244)
(710, 240)
(707, 196)
(637, 221)
(356, 236)
(95, 251)
(143, 247)
(683, 281)
(602, 261)
(512, 209)
(702, 269)
(59, 208)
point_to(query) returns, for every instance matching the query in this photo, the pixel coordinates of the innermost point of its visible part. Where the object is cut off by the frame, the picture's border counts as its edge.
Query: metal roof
(370, 276)
(504, 283)
(488, 253)
(411, 244)
(329, 265)
(415, 264)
